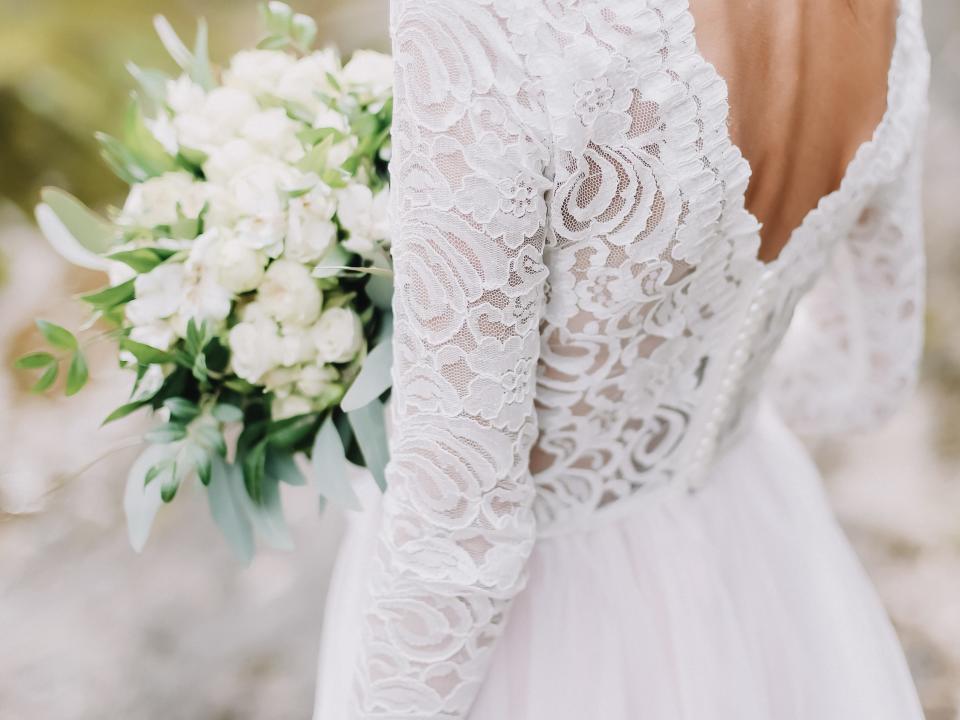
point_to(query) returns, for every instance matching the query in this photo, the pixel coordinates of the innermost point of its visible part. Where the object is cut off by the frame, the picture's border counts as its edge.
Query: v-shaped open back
(801, 169)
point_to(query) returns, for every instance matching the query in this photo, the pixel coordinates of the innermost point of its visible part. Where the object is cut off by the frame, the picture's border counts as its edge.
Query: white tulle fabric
(582, 325)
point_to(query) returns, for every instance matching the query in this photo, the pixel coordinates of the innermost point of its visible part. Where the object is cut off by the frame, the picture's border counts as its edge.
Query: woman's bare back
(807, 85)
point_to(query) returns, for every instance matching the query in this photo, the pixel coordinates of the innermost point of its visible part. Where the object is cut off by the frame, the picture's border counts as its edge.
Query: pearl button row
(731, 381)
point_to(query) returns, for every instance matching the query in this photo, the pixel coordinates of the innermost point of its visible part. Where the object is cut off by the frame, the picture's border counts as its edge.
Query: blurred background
(92, 631)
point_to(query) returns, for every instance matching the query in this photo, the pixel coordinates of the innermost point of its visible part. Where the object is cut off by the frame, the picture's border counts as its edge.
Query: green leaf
(143, 144)
(380, 291)
(77, 374)
(153, 85)
(122, 160)
(373, 380)
(273, 42)
(226, 495)
(240, 385)
(200, 64)
(74, 230)
(168, 433)
(169, 485)
(141, 500)
(289, 432)
(146, 354)
(47, 379)
(155, 471)
(171, 41)
(303, 30)
(267, 516)
(329, 464)
(370, 429)
(228, 413)
(282, 466)
(123, 411)
(57, 336)
(181, 408)
(35, 360)
(111, 297)
(143, 260)
(254, 469)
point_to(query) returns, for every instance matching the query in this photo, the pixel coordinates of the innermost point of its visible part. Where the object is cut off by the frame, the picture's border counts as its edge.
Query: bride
(630, 254)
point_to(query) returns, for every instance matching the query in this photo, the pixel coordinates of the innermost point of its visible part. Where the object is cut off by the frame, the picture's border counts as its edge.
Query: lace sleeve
(852, 352)
(469, 214)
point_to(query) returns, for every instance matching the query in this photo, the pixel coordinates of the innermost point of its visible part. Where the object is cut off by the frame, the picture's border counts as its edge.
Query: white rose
(156, 201)
(157, 334)
(295, 346)
(254, 312)
(216, 120)
(233, 264)
(253, 349)
(184, 95)
(157, 294)
(327, 117)
(204, 300)
(274, 134)
(226, 161)
(258, 71)
(290, 294)
(365, 217)
(280, 381)
(315, 380)
(256, 188)
(301, 82)
(290, 406)
(311, 232)
(370, 72)
(338, 335)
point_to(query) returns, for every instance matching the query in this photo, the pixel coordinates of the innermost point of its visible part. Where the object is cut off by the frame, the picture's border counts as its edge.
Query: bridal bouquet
(249, 276)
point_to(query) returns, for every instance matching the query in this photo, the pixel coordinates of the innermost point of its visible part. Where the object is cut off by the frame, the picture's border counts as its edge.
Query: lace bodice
(581, 316)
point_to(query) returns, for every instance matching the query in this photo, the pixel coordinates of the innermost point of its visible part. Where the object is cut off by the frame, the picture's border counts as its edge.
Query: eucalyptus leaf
(76, 232)
(199, 70)
(226, 496)
(171, 41)
(369, 426)
(373, 380)
(181, 408)
(267, 516)
(167, 433)
(329, 468)
(282, 466)
(379, 289)
(228, 413)
(141, 500)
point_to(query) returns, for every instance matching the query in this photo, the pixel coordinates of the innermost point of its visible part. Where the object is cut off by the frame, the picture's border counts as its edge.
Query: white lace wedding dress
(595, 507)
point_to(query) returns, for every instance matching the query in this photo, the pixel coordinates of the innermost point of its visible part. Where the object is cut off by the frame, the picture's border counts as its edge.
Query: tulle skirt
(741, 602)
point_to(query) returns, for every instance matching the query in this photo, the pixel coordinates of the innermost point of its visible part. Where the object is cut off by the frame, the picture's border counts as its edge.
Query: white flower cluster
(272, 223)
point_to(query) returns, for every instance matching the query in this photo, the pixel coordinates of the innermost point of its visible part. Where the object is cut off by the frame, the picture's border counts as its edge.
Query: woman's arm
(468, 214)
(853, 350)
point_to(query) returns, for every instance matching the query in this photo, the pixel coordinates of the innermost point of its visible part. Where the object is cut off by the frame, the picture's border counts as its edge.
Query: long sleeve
(468, 184)
(852, 353)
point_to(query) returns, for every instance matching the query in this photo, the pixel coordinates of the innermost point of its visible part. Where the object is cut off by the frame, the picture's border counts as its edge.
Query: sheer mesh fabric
(580, 312)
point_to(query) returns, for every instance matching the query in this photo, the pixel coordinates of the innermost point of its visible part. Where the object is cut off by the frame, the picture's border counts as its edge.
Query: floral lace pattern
(580, 312)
